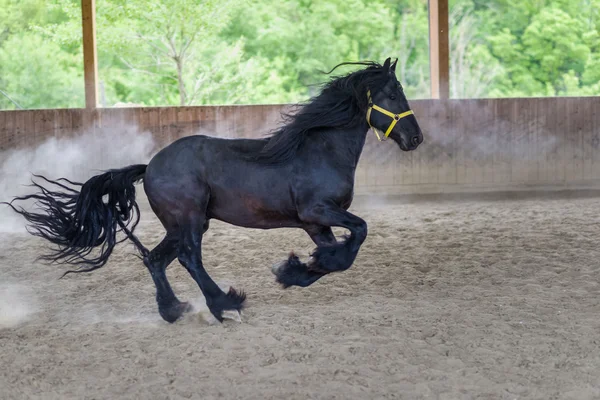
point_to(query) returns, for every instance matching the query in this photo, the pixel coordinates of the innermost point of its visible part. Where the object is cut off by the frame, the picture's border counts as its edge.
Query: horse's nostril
(415, 140)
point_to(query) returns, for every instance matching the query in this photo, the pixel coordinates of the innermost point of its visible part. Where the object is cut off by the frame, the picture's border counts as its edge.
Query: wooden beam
(90, 57)
(439, 60)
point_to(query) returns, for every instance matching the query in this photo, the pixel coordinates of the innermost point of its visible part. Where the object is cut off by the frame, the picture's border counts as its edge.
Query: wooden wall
(487, 144)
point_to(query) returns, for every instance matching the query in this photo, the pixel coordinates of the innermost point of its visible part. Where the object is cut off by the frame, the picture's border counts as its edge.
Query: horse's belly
(253, 212)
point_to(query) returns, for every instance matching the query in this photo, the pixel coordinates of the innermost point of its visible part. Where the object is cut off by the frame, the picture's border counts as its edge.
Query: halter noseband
(395, 118)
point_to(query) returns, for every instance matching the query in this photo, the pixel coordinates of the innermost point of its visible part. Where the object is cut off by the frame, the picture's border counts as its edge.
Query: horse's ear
(393, 66)
(386, 64)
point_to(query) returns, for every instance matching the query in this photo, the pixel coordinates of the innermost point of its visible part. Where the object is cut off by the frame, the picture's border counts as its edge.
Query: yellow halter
(395, 118)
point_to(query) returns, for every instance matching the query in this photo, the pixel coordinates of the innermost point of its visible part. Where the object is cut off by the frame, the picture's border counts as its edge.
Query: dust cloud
(490, 135)
(76, 158)
(17, 304)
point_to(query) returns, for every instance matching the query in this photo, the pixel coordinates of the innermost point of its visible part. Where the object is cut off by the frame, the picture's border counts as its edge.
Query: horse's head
(390, 115)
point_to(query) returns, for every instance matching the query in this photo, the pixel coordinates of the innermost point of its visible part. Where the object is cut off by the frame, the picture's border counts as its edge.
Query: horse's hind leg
(157, 261)
(190, 256)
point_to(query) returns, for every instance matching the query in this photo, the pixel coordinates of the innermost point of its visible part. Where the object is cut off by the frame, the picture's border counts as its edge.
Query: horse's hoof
(232, 315)
(185, 307)
(226, 304)
(175, 312)
(276, 268)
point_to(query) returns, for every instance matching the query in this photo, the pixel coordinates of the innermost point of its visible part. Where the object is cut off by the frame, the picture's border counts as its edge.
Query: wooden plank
(557, 156)
(107, 116)
(405, 172)
(266, 123)
(486, 122)
(546, 139)
(520, 135)
(29, 122)
(166, 117)
(76, 121)
(543, 140)
(469, 138)
(68, 130)
(586, 130)
(436, 156)
(575, 161)
(594, 138)
(366, 171)
(451, 143)
(460, 114)
(552, 131)
(387, 172)
(90, 57)
(50, 123)
(89, 122)
(225, 123)
(153, 123)
(562, 128)
(536, 150)
(436, 131)
(62, 124)
(189, 122)
(494, 132)
(437, 137)
(8, 133)
(3, 131)
(205, 121)
(19, 129)
(569, 140)
(512, 152)
(423, 169)
(483, 146)
(439, 60)
(583, 108)
(477, 127)
(502, 153)
(113, 119)
(551, 134)
(140, 119)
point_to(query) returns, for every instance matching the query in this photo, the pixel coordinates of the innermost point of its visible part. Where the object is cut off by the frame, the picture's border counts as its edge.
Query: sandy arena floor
(446, 300)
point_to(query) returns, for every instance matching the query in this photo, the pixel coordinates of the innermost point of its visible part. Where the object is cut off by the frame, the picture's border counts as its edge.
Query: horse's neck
(346, 144)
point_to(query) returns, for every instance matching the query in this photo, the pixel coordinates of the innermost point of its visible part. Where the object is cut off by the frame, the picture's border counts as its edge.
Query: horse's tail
(81, 217)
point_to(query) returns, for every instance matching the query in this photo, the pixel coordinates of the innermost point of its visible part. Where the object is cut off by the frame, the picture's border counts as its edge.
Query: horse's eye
(392, 97)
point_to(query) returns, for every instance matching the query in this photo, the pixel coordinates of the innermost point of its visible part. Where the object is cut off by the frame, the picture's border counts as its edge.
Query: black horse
(301, 176)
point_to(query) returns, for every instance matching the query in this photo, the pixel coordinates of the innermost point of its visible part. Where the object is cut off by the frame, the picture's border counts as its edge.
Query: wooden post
(439, 61)
(90, 65)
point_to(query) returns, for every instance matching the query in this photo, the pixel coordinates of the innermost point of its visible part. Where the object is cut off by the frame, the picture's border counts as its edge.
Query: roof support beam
(439, 62)
(90, 57)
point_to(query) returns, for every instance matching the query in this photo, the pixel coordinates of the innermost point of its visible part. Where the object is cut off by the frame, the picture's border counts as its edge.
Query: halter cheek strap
(395, 118)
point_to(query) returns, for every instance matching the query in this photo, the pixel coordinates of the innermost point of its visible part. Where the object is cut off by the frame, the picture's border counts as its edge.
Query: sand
(446, 300)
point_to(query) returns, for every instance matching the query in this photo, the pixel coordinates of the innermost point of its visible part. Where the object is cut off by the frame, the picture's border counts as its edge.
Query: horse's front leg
(330, 256)
(292, 271)
(321, 235)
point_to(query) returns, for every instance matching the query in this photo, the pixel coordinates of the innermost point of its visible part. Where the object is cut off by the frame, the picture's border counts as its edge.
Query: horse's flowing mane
(340, 104)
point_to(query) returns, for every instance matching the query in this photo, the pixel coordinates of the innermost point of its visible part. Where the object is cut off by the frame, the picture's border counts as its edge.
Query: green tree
(36, 73)
(538, 47)
(298, 39)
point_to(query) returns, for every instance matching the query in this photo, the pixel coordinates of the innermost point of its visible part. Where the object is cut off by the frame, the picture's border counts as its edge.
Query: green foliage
(37, 73)
(543, 47)
(180, 52)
